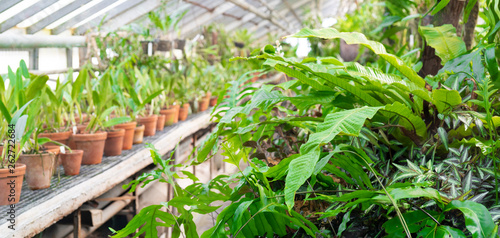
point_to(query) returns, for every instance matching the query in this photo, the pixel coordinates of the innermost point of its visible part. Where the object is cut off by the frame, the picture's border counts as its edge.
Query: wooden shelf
(40, 209)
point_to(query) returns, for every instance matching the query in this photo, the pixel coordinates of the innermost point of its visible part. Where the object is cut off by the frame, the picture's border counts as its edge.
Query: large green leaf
(477, 218)
(446, 99)
(148, 219)
(444, 40)
(347, 122)
(36, 86)
(358, 38)
(409, 120)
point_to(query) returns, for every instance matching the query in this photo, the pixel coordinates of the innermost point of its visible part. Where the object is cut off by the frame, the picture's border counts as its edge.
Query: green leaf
(115, 121)
(24, 69)
(444, 137)
(477, 218)
(445, 99)
(441, 4)
(347, 122)
(444, 40)
(409, 120)
(148, 219)
(36, 86)
(358, 38)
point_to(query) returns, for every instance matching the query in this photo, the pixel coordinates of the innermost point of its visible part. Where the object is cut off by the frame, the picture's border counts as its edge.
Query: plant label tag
(63, 149)
(150, 48)
(75, 130)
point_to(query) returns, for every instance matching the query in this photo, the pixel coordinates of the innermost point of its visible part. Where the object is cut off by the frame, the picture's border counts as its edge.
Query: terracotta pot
(80, 128)
(114, 142)
(183, 112)
(255, 77)
(11, 184)
(208, 95)
(92, 146)
(160, 123)
(171, 115)
(39, 169)
(61, 137)
(149, 123)
(56, 150)
(128, 138)
(85, 118)
(213, 101)
(139, 134)
(72, 162)
(203, 104)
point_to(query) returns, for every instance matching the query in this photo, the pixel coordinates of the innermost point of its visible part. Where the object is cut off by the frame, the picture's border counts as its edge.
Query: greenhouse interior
(250, 118)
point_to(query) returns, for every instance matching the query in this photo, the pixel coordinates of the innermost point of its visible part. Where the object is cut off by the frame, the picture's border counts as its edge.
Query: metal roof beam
(84, 15)
(109, 15)
(271, 9)
(38, 41)
(56, 16)
(206, 17)
(8, 4)
(25, 14)
(246, 18)
(245, 6)
(130, 15)
(292, 9)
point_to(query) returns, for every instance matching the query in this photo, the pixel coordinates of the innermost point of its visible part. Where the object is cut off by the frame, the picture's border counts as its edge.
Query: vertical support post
(33, 54)
(77, 223)
(69, 58)
(195, 138)
(82, 52)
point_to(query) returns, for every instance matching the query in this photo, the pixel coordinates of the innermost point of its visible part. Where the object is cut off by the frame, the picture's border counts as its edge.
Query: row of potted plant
(78, 121)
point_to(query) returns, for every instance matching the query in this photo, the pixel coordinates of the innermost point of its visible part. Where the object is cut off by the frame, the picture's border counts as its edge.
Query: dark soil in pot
(128, 138)
(72, 161)
(149, 124)
(114, 142)
(11, 184)
(39, 169)
(92, 146)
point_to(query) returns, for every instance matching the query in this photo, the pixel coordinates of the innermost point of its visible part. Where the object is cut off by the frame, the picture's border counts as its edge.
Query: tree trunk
(451, 14)
(470, 25)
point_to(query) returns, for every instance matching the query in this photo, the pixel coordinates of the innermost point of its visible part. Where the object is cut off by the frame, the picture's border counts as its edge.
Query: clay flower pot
(11, 184)
(160, 123)
(55, 149)
(92, 146)
(255, 77)
(203, 104)
(114, 142)
(61, 137)
(84, 116)
(213, 101)
(171, 115)
(72, 161)
(128, 138)
(149, 123)
(39, 169)
(183, 112)
(139, 134)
